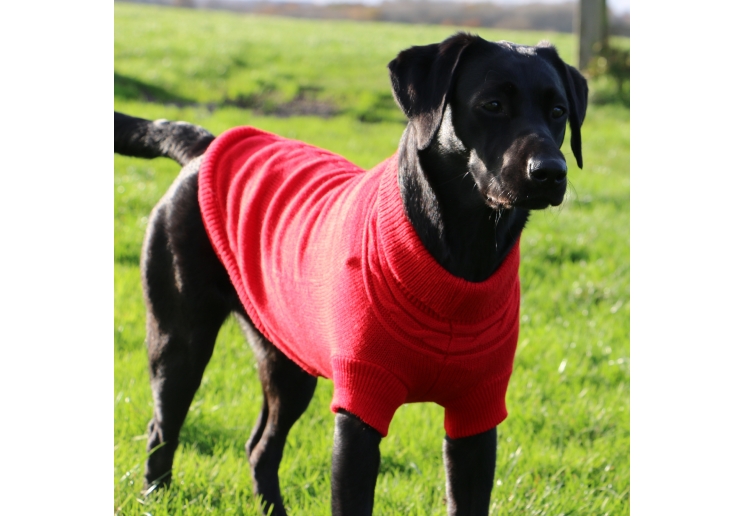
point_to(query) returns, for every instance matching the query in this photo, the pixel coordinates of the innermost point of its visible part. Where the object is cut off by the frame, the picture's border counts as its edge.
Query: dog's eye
(557, 112)
(493, 106)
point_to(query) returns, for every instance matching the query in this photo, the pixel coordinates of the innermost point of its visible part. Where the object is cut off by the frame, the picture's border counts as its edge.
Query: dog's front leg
(470, 463)
(356, 461)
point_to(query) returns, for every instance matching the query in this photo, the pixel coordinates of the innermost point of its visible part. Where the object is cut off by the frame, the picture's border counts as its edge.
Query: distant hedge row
(553, 17)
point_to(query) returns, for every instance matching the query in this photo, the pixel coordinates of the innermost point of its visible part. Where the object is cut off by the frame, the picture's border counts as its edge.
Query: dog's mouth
(537, 201)
(498, 203)
(514, 188)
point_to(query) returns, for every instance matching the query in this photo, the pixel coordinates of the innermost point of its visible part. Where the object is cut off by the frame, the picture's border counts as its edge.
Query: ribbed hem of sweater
(466, 417)
(212, 216)
(368, 391)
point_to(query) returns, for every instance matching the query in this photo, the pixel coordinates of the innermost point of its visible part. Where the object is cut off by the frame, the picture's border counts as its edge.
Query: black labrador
(481, 149)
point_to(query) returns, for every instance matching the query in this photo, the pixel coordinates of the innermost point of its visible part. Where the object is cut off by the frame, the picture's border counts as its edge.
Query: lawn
(564, 449)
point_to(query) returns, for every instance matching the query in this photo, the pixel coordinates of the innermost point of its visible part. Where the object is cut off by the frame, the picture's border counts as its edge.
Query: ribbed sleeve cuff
(374, 395)
(481, 410)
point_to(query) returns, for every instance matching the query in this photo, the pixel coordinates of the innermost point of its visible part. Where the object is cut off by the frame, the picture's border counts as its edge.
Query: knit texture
(331, 271)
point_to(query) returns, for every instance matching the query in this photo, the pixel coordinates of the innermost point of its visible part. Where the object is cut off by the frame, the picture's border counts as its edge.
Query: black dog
(486, 122)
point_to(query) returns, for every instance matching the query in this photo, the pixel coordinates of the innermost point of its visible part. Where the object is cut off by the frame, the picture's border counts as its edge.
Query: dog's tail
(142, 138)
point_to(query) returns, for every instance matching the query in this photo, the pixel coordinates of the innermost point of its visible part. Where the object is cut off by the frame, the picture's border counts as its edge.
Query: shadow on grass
(128, 257)
(129, 88)
(266, 103)
(207, 438)
(395, 466)
(369, 107)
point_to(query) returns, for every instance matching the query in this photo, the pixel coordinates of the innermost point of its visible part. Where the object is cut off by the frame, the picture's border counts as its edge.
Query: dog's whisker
(453, 179)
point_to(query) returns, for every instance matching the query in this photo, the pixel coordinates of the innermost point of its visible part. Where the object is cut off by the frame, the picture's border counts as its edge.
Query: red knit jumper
(331, 271)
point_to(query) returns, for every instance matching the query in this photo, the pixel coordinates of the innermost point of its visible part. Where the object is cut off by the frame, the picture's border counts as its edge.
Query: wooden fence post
(591, 27)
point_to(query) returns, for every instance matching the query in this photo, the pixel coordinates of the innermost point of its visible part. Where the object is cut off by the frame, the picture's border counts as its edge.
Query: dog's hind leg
(287, 391)
(188, 296)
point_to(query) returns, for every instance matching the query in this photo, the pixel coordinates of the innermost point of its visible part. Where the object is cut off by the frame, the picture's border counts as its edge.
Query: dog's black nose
(547, 171)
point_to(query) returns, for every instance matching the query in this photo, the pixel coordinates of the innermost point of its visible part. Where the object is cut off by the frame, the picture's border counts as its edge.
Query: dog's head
(505, 106)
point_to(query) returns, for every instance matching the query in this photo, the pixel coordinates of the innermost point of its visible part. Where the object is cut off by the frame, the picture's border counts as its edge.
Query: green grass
(564, 449)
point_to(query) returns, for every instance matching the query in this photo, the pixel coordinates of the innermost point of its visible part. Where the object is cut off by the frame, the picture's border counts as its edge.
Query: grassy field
(564, 449)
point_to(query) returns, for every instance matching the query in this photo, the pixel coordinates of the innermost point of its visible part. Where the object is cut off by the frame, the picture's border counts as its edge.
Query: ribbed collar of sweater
(425, 284)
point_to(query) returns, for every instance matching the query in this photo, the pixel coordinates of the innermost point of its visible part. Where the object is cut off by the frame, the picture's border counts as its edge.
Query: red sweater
(331, 271)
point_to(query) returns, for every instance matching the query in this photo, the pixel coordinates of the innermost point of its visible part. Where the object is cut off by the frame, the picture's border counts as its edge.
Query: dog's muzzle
(547, 172)
(546, 183)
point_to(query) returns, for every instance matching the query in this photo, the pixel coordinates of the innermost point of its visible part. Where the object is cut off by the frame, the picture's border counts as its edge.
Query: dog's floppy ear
(577, 91)
(421, 77)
